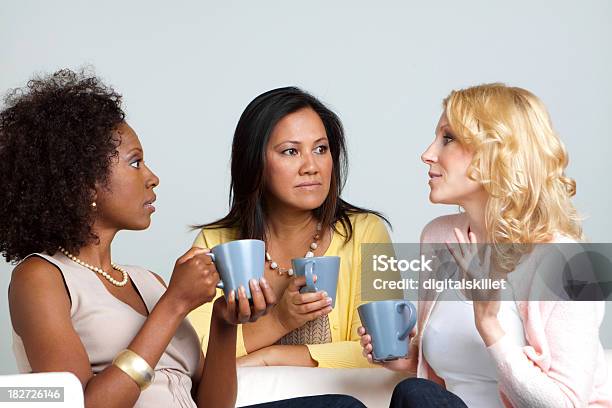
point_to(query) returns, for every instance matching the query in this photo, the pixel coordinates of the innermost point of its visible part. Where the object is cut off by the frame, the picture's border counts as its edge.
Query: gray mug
(388, 322)
(325, 267)
(238, 262)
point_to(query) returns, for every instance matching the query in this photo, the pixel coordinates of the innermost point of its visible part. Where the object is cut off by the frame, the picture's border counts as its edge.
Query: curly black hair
(56, 144)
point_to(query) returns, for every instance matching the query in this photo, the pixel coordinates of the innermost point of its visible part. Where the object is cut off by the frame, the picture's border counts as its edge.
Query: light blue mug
(388, 322)
(325, 267)
(238, 262)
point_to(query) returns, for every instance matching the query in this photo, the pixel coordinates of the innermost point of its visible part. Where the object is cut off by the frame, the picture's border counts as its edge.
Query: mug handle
(398, 307)
(212, 256)
(308, 272)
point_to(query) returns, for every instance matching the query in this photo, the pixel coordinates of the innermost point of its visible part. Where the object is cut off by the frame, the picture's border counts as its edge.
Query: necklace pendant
(310, 254)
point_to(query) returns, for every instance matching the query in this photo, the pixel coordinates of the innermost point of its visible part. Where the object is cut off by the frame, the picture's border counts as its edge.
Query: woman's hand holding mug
(402, 364)
(194, 280)
(296, 309)
(242, 311)
(194, 283)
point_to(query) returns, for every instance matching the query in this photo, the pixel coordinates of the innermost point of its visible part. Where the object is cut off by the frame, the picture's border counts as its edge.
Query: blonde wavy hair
(519, 160)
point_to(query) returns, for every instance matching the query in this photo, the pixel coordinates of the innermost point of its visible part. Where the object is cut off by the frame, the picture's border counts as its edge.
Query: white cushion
(372, 386)
(73, 390)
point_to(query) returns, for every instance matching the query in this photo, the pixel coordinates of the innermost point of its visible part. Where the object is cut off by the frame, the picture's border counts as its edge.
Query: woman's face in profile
(448, 162)
(298, 165)
(127, 200)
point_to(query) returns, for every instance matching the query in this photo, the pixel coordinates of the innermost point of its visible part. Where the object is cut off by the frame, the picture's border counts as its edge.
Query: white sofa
(256, 384)
(373, 386)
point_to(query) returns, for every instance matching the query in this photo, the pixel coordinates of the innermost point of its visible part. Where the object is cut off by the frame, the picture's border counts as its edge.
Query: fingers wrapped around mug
(263, 298)
(310, 305)
(193, 280)
(294, 309)
(208, 271)
(240, 309)
(191, 253)
(244, 307)
(366, 344)
(235, 309)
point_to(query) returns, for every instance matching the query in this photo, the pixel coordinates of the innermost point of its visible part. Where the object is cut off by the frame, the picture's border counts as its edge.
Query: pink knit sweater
(563, 363)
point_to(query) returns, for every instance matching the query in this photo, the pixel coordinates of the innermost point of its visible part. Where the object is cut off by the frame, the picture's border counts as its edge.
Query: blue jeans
(418, 392)
(318, 401)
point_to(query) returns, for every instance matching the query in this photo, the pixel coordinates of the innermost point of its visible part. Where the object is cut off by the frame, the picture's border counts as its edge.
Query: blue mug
(325, 267)
(388, 322)
(238, 262)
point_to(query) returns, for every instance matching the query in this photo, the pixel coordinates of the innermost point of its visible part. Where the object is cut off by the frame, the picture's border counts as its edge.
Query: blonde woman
(496, 155)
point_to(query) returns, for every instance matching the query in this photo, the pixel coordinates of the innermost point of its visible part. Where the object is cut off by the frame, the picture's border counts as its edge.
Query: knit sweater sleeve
(571, 338)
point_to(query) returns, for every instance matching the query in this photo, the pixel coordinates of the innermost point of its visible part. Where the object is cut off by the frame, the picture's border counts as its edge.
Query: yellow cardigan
(344, 351)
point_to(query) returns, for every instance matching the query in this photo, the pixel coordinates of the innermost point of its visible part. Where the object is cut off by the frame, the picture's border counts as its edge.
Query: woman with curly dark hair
(74, 175)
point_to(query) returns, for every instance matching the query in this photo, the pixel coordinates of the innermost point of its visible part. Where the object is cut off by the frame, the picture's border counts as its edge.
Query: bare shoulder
(36, 283)
(438, 229)
(33, 275)
(40, 313)
(35, 267)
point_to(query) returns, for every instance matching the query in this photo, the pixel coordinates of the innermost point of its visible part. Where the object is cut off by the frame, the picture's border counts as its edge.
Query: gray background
(188, 69)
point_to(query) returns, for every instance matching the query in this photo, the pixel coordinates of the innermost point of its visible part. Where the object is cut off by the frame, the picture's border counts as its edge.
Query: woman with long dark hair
(288, 169)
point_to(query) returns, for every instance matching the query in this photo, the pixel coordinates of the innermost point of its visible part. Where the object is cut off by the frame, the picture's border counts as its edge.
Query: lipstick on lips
(433, 176)
(309, 185)
(149, 204)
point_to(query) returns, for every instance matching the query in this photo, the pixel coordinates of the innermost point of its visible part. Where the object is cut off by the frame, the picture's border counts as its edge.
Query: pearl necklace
(309, 254)
(112, 280)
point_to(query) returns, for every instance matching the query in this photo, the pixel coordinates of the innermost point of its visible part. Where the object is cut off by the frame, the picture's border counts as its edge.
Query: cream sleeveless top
(106, 325)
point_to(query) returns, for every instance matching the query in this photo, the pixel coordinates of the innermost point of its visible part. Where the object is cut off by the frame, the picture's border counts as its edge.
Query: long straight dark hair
(247, 204)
